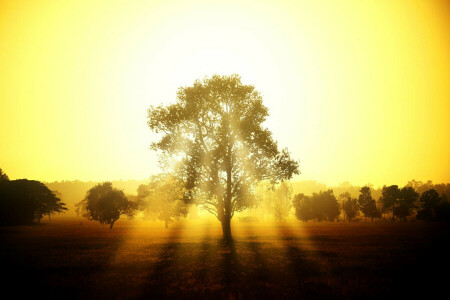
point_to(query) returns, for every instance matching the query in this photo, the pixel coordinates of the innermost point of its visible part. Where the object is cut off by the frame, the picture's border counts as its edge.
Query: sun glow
(357, 91)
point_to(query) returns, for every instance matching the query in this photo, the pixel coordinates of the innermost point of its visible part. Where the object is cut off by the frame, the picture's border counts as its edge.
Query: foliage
(24, 201)
(163, 196)
(350, 206)
(214, 140)
(367, 204)
(282, 200)
(399, 201)
(320, 206)
(304, 209)
(105, 204)
(434, 207)
(3, 176)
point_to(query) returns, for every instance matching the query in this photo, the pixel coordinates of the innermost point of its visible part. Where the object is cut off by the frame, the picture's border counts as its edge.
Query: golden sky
(358, 91)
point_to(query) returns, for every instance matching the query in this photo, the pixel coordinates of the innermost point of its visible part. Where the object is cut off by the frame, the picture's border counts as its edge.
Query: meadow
(287, 260)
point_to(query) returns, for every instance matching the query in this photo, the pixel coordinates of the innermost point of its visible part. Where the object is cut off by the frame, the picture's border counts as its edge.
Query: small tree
(163, 196)
(325, 206)
(406, 202)
(430, 200)
(3, 176)
(303, 207)
(389, 199)
(105, 204)
(282, 200)
(367, 204)
(350, 206)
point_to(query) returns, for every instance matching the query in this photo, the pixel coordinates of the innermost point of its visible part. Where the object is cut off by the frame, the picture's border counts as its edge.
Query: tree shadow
(55, 262)
(162, 279)
(307, 274)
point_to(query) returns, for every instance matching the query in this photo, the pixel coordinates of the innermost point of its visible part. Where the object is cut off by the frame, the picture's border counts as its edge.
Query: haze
(357, 91)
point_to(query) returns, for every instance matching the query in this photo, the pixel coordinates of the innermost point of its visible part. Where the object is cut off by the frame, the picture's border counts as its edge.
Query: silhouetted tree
(434, 207)
(325, 206)
(303, 207)
(399, 201)
(3, 176)
(214, 139)
(367, 204)
(406, 202)
(443, 209)
(24, 201)
(429, 200)
(390, 196)
(350, 206)
(163, 196)
(105, 204)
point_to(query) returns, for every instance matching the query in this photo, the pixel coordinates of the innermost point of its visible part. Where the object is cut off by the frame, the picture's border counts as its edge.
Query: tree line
(24, 202)
(394, 203)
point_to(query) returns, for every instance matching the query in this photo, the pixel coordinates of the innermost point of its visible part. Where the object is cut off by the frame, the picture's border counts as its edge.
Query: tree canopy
(23, 201)
(213, 137)
(3, 176)
(320, 206)
(367, 204)
(350, 206)
(105, 204)
(163, 197)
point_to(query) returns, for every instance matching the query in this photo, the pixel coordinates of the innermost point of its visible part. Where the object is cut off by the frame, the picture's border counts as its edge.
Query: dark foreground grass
(64, 259)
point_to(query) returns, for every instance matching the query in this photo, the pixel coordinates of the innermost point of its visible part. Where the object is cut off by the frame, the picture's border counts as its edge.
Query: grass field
(289, 260)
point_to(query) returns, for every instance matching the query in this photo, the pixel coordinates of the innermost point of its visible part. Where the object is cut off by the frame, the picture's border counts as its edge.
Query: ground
(289, 260)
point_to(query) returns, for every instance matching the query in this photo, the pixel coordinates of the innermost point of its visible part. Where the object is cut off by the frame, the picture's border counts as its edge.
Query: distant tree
(406, 202)
(214, 138)
(3, 176)
(163, 197)
(399, 201)
(367, 204)
(303, 207)
(390, 196)
(350, 206)
(105, 204)
(443, 209)
(429, 200)
(282, 200)
(264, 198)
(25, 201)
(325, 206)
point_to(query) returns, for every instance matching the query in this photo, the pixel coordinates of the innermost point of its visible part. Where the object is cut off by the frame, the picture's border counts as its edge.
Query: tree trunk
(166, 224)
(226, 220)
(226, 230)
(112, 223)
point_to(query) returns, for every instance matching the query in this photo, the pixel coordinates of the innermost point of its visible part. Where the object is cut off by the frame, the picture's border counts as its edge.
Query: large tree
(214, 137)
(105, 204)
